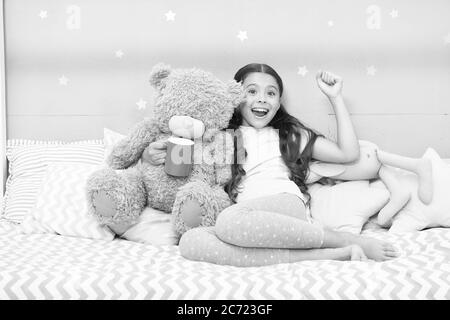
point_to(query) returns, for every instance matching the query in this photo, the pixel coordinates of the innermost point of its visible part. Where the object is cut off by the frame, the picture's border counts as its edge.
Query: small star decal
(43, 14)
(447, 39)
(119, 54)
(242, 35)
(302, 71)
(63, 81)
(170, 15)
(141, 104)
(371, 71)
(394, 13)
(330, 23)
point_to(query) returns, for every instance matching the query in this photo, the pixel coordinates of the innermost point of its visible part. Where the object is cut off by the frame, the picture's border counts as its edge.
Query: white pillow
(153, 227)
(28, 160)
(61, 205)
(346, 206)
(110, 138)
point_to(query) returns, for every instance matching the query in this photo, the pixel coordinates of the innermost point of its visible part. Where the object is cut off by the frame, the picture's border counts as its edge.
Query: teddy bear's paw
(106, 211)
(198, 204)
(109, 211)
(116, 197)
(191, 213)
(104, 205)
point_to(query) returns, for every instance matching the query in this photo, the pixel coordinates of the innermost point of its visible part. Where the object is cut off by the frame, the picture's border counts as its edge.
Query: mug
(179, 157)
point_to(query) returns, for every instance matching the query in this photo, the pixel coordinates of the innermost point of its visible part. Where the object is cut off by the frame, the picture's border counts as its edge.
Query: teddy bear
(191, 104)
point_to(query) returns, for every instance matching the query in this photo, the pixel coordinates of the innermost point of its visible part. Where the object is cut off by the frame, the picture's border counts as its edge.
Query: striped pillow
(28, 160)
(61, 205)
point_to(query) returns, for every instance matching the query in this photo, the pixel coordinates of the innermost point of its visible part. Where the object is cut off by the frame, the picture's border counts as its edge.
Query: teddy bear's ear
(158, 74)
(236, 92)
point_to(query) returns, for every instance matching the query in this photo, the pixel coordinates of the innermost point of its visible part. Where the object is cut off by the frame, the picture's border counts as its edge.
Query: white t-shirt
(266, 172)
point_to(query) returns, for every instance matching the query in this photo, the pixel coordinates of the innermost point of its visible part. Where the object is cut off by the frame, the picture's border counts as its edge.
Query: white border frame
(3, 170)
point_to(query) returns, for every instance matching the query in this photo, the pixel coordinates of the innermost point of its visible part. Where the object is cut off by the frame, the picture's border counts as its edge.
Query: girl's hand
(155, 153)
(330, 84)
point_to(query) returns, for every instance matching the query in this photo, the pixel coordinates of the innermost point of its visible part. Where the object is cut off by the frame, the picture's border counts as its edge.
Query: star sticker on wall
(43, 14)
(447, 39)
(394, 13)
(170, 15)
(371, 71)
(302, 71)
(330, 23)
(119, 54)
(141, 104)
(242, 35)
(63, 81)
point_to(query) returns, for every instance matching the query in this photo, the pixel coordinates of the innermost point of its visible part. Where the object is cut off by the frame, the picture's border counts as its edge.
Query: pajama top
(266, 172)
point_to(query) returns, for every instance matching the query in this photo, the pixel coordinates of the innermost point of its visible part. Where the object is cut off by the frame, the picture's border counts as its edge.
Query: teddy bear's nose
(186, 127)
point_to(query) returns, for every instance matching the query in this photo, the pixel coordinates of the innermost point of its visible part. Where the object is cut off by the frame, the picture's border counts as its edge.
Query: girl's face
(261, 99)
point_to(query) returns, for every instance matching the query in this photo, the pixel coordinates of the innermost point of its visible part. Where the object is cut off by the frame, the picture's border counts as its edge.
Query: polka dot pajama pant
(256, 232)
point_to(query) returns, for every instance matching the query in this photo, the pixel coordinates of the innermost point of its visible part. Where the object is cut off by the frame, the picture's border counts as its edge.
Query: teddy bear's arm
(128, 151)
(223, 153)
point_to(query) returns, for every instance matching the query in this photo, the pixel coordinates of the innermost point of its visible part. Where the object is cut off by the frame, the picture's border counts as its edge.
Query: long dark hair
(290, 139)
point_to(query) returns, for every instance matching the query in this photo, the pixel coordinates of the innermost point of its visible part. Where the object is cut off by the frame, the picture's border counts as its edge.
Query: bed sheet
(44, 266)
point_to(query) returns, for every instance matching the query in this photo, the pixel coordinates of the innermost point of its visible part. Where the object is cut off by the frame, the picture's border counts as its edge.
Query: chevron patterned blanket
(44, 266)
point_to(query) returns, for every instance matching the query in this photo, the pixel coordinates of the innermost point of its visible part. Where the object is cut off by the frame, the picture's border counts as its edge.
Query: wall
(403, 106)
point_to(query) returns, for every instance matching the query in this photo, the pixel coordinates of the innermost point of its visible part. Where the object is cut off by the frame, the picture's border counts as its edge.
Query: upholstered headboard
(74, 67)
(2, 108)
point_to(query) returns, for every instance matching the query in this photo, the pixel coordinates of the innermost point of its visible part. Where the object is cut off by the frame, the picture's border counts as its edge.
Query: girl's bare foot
(376, 249)
(373, 249)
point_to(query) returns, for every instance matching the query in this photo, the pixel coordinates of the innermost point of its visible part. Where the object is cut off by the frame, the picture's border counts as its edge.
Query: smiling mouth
(260, 112)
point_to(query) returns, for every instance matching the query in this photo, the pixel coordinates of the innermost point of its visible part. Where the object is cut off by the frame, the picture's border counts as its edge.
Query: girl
(270, 221)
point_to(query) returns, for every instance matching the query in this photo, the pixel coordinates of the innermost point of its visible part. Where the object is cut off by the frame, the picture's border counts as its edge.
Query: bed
(54, 261)
(44, 266)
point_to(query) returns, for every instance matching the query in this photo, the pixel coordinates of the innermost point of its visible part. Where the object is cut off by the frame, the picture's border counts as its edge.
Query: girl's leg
(275, 222)
(201, 244)
(421, 167)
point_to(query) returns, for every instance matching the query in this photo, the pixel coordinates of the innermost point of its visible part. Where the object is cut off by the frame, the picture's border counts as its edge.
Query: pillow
(110, 138)
(61, 205)
(346, 206)
(153, 227)
(28, 160)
